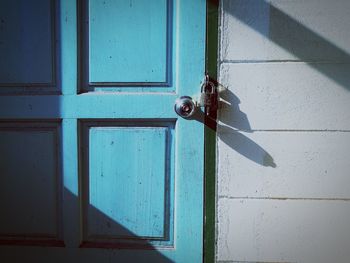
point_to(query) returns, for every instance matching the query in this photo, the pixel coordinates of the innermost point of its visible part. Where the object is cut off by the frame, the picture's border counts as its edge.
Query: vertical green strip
(210, 136)
(212, 38)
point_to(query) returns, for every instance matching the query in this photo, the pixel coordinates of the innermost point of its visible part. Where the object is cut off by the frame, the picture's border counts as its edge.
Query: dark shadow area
(245, 146)
(33, 158)
(294, 37)
(231, 114)
(231, 122)
(200, 116)
(94, 249)
(116, 237)
(40, 217)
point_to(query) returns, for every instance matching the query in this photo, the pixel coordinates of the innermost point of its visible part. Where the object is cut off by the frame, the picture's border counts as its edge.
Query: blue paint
(68, 143)
(26, 185)
(128, 179)
(151, 191)
(26, 43)
(127, 42)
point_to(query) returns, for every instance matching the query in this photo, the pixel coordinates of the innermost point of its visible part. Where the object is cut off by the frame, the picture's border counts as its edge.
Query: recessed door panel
(30, 183)
(126, 43)
(27, 45)
(127, 178)
(95, 164)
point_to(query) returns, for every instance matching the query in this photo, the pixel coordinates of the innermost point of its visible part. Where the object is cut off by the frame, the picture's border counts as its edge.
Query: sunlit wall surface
(283, 166)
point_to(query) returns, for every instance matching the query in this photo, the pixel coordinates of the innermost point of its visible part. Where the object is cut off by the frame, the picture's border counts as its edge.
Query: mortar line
(234, 261)
(298, 130)
(284, 130)
(229, 61)
(285, 198)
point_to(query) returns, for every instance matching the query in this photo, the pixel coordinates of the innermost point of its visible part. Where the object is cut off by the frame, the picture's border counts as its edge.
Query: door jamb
(210, 137)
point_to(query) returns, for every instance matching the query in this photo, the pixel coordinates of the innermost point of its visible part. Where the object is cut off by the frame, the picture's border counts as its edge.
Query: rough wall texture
(284, 140)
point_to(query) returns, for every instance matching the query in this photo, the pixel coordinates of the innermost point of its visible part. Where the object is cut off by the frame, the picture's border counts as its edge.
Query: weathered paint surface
(286, 96)
(148, 40)
(285, 164)
(95, 164)
(282, 162)
(283, 230)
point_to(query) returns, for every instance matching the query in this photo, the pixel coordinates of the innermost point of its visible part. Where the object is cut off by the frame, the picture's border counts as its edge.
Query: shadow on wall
(292, 36)
(289, 34)
(231, 122)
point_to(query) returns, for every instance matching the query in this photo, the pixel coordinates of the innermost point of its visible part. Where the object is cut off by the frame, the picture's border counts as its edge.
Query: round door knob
(185, 107)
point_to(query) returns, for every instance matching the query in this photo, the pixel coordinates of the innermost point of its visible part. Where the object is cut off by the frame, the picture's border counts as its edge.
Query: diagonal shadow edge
(150, 251)
(292, 36)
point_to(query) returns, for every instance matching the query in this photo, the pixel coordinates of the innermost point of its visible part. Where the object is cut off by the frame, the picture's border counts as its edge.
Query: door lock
(185, 107)
(209, 96)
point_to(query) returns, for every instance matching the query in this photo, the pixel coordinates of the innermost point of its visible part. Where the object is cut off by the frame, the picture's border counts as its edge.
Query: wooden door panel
(27, 46)
(93, 147)
(30, 183)
(126, 42)
(128, 176)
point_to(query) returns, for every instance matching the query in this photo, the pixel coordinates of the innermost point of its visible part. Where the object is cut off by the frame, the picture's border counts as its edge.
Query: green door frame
(210, 136)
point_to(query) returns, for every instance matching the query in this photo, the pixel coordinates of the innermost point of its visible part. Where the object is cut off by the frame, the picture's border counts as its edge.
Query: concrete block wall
(283, 151)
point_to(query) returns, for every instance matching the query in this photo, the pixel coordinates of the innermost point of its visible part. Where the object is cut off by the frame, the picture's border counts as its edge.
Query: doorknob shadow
(231, 123)
(230, 113)
(294, 37)
(201, 117)
(245, 146)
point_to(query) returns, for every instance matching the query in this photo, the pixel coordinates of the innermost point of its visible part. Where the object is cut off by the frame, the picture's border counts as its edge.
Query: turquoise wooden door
(95, 165)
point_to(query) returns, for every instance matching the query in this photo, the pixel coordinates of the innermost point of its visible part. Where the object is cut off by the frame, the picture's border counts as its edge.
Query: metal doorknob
(185, 107)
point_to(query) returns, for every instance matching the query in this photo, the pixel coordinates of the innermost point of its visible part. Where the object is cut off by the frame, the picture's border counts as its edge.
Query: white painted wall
(283, 147)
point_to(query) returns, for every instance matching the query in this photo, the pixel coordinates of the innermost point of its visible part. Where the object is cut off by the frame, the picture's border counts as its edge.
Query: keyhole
(186, 108)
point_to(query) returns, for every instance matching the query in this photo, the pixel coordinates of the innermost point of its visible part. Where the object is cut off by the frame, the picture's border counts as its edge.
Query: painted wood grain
(27, 47)
(186, 61)
(30, 183)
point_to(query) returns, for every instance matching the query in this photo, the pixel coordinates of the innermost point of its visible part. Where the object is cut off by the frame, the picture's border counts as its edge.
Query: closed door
(95, 165)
